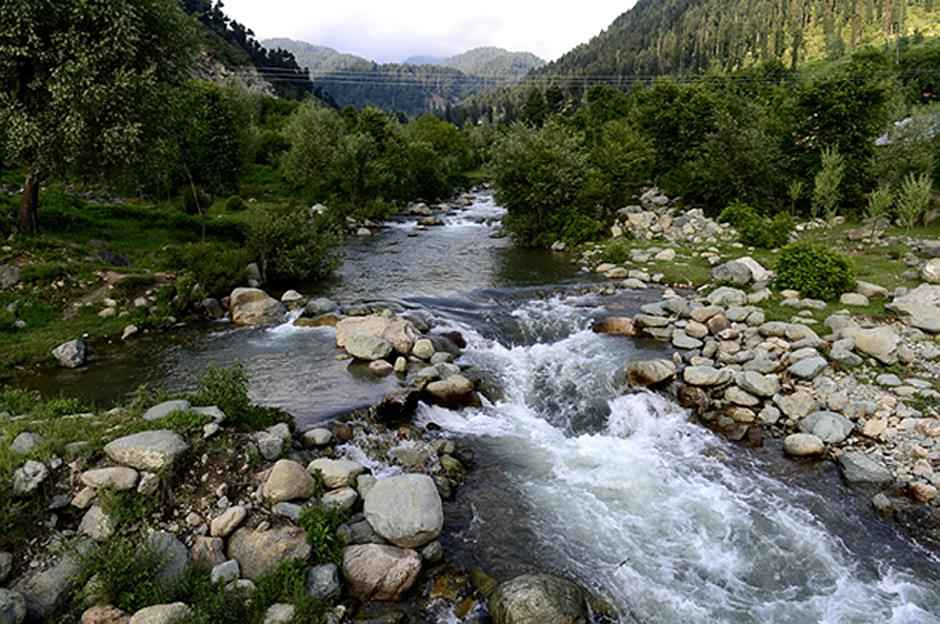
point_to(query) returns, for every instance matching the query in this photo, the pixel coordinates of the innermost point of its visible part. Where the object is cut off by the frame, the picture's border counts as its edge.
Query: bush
(767, 233)
(126, 574)
(814, 271)
(216, 267)
(738, 214)
(616, 252)
(827, 192)
(196, 201)
(914, 199)
(320, 524)
(235, 204)
(291, 246)
(227, 389)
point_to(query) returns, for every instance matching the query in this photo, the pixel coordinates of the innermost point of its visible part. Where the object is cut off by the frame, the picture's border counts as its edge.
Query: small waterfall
(628, 496)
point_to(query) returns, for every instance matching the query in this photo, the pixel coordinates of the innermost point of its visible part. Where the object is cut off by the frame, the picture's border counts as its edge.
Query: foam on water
(647, 507)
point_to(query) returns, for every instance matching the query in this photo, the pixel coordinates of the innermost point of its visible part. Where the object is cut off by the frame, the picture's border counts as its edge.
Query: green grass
(320, 524)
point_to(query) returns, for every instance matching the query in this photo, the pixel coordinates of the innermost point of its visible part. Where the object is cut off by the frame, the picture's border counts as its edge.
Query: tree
(78, 79)
(535, 110)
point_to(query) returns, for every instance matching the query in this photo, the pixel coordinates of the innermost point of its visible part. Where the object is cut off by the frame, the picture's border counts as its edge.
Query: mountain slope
(679, 36)
(490, 62)
(320, 59)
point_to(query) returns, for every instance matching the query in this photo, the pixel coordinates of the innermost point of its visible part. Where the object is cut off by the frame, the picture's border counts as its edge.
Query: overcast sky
(390, 31)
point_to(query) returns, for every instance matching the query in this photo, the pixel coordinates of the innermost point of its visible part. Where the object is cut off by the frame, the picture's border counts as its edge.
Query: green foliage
(538, 174)
(227, 389)
(910, 150)
(738, 214)
(827, 191)
(212, 603)
(128, 508)
(288, 584)
(196, 201)
(914, 199)
(290, 245)
(816, 272)
(320, 524)
(624, 157)
(217, 268)
(235, 204)
(126, 574)
(616, 252)
(879, 204)
(766, 233)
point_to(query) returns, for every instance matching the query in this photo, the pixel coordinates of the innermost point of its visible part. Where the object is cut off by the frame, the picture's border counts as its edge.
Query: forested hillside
(490, 62)
(677, 36)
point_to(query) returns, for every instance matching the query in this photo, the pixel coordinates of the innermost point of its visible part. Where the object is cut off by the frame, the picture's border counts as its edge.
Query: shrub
(320, 524)
(767, 233)
(126, 574)
(914, 199)
(227, 389)
(217, 267)
(738, 214)
(196, 201)
(814, 271)
(235, 204)
(288, 584)
(290, 245)
(579, 228)
(827, 192)
(616, 252)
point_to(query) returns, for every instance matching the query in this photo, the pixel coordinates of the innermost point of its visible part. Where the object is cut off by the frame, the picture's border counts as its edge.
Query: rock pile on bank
(657, 217)
(826, 391)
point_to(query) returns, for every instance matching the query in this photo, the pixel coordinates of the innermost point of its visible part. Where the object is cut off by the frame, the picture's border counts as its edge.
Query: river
(620, 492)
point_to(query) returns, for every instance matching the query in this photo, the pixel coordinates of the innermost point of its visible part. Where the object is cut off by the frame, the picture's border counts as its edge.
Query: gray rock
(176, 613)
(161, 411)
(880, 343)
(368, 348)
(888, 380)
(28, 478)
(423, 349)
(406, 510)
(727, 297)
(809, 368)
(763, 386)
(316, 438)
(174, 556)
(323, 582)
(453, 391)
(118, 478)
(741, 272)
(10, 276)
(796, 406)
(250, 307)
(148, 450)
(260, 552)
(538, 598)
(739, 397)
(279, 614)
(336, 473)
(208, 552)
(288, 481)
(72, 354)
(226, 572)
(96, 524)
(920, 307)
(803, 445)
(706, 376)
(854, 299)
(681, 340)
(343, 499)
(319, 307)
(650, 372)
(376, 572)
(829, 427)
(360, 532)
(48, 590)
(861, 468)
(12, 607)
(25, 443)
(228, 521)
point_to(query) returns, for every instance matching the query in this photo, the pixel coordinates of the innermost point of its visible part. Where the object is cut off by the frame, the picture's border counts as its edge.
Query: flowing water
(621, 493)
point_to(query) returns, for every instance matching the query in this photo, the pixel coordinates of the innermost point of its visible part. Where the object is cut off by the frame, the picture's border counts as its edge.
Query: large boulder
(368, 348)
(741, 272)
(406, 510)
(161, 411)
(920, 308)
(288, 481)
(336, 473)
(454, 391)
(118, 478)
(861, 468)
(12, 607)
(176, 613)
(829, 427)
(251, 306)
(375, 572)
(260, 552)
(650, 372)
(46, 591)
(174, 557)
(149, 450)
(71, 354)
(763, 386)
(803, 445)
(880, 343)
(538, 598)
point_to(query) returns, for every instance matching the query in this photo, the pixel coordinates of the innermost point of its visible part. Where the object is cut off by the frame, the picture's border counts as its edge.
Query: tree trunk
(28, 221)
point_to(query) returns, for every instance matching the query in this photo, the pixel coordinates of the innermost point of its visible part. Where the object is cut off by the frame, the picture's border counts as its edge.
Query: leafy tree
(312, 161)
(539, 174)
(535, 110)
(625, 158)
(290, 245)
(827, 192)
(79, 81)
(914, 199)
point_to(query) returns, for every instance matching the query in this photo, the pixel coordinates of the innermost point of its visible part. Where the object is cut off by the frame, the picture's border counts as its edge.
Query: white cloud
(391, 31)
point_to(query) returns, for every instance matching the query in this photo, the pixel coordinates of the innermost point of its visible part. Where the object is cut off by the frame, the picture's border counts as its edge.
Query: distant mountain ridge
(411, 88)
